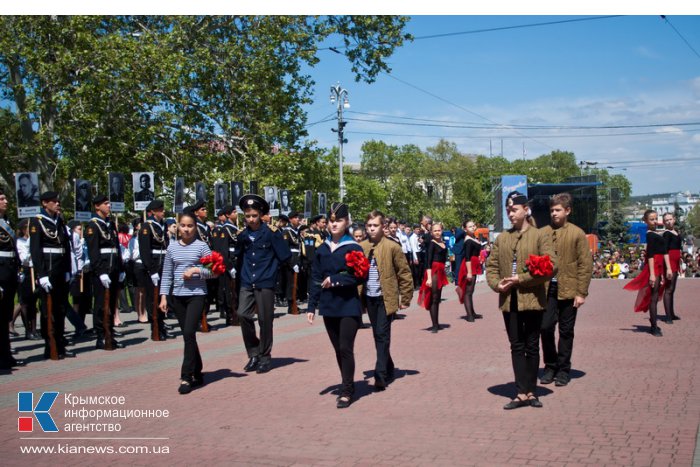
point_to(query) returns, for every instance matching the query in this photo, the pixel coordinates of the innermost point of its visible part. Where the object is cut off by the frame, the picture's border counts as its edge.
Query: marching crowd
(181, 268)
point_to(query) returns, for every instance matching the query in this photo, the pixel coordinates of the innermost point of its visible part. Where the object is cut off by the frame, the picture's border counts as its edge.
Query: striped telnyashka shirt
(179, 258)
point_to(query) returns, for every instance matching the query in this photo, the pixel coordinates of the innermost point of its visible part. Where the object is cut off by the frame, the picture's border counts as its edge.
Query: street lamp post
(339, 96)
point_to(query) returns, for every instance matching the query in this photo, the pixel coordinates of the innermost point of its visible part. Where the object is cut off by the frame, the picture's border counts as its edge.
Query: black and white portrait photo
(236, 193)
(116, 191)
(308, 203)
(271, 198)
(200, 192)
(27, 186)
(83, 200)
(179, 195)
(285, 206)
(220, 195)
(143, 189)
(322, 203)
(253, 187)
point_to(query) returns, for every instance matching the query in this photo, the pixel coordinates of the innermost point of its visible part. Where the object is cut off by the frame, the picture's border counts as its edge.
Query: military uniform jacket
(225, 242)
(49, 246)
(203, 233)
(259, 256)
(153, 243)
(9, 262)
(293, 240)
(103, 246)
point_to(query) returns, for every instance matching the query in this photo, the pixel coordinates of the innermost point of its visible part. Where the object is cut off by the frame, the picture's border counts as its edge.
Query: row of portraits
(143, 189)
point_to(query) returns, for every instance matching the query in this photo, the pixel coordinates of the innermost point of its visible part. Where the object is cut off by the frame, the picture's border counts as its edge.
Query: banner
(236, 193)
(285, 207)
(271, 198)
(27, 188)
(322, 203)
(116, 191)
(179, 195)
(220, 196)
(308, 203)
(511, 183)
(143, 185)
(83, 200)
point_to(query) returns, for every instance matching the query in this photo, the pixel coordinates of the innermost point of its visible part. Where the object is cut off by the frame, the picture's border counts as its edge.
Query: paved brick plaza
(634, 399)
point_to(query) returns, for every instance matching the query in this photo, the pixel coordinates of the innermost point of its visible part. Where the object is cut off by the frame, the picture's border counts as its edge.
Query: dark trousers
(59, 298)
(381, 330)
(558, 358)
(342, 332)
(7, 305)
(188, 311)
(229, 290)
(155, 316)
(523, 328)
(264, 300)
(103, 321)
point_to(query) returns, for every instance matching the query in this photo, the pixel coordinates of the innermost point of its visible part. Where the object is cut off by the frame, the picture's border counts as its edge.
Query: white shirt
(415, 247)
(405, 243)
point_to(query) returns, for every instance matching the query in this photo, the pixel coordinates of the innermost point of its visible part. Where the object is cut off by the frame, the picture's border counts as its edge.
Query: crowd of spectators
(616, 261)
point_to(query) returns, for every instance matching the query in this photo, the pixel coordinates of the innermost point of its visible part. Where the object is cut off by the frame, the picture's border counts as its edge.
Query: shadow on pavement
(280, 362)
(509, 390)
(637, 328)
(218, 375)
(398, 373)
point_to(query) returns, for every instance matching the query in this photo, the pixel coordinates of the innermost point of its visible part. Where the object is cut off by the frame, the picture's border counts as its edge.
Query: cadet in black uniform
(260, 253)
(224, 241)
(291, 269)
(204, 233)
(9, 266)
(153, 243)
(50, 250)
(107, 272)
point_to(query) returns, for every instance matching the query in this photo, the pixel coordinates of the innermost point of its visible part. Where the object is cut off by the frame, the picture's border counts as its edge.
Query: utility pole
(339, 96)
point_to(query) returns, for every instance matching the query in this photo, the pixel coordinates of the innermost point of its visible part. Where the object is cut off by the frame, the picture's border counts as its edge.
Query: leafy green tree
(693, 221)
(198, 96)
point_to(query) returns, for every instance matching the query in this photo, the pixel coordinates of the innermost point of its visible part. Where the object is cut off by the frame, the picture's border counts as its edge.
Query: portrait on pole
(308, 203)
(179, 195)
(200, 192)
(116, 191)
(285, 206)
(27, 188)
(220, 195)
(143, 186)
(322, 203)
(236, 193)
(83, 200)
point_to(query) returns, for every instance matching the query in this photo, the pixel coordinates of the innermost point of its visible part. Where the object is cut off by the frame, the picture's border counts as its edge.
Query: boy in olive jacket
(388, 289)
(567, 290)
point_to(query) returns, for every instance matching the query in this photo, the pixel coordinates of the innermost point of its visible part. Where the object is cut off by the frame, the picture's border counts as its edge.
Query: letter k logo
(25, 403)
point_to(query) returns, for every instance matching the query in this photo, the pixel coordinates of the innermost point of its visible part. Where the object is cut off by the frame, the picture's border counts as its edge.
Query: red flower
(214, 262)
(357, 264)
(540, 266)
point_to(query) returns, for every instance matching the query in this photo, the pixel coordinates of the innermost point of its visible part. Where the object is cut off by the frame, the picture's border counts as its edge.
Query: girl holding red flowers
(522, 295)
(435, 278)
(469, 269)
(186, 273)
(339, 267)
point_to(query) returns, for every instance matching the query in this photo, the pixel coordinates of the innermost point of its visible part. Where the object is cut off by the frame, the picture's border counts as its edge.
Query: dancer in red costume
(649, 282)
(435, 278)
(468, 270)
(674, 242)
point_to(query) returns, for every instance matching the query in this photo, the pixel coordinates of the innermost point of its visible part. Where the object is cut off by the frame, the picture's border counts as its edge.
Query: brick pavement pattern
(633, 399)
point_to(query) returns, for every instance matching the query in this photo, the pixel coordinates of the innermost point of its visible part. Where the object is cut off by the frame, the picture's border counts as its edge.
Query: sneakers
(548, 376)
(562, 379)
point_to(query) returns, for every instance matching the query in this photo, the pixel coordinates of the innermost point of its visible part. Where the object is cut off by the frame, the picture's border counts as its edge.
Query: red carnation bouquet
(539, 266)
(357, 264)
(214, 262)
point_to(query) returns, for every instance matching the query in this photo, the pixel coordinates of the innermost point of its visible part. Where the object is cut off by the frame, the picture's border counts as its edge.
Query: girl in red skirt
(435, 278)
(673, 243)
(468, 270)
(649, 282)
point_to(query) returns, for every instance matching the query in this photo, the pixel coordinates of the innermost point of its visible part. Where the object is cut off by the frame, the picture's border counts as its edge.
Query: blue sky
(632, 71)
